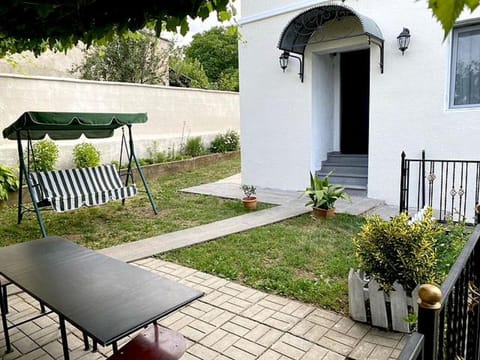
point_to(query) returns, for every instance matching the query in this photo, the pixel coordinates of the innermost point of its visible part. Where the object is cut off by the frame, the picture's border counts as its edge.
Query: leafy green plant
(8, 181)
(249, 191)
(63, 35)
(155, 156)
(399, 250)
(216, 49)
(230, 141)
(46, 155)
(449, 245)
(135, 57)
(187, 73)
(86, 155)
(229, 80)
(322, 194)
(194, 147)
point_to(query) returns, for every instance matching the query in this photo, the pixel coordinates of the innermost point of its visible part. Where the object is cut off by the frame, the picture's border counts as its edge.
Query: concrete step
(349, 170)
(347, 158)
(343, 169)
(330, 162)
(346, 179)
(358, 205)
(356, 191)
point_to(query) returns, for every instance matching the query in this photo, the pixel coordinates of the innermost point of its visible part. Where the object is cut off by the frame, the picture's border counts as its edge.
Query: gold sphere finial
(430, 297)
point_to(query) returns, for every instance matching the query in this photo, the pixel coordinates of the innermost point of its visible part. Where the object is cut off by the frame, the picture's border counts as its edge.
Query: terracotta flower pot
(323, 213)
(250, 203)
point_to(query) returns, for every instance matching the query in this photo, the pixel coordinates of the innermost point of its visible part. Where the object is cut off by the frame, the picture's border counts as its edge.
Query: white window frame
(453, 64)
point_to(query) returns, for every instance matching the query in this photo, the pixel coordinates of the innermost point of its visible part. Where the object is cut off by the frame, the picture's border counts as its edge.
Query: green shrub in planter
(8, 181)
(45, 153)
(194, 147)
(230, 141)
(155, 156)
(86, 155)
(399, 250)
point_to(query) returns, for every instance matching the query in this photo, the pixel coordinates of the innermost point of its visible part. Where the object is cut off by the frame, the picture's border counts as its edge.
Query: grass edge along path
(302, 258)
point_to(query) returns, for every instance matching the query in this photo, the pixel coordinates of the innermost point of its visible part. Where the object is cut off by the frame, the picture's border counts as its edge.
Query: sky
(198, 26)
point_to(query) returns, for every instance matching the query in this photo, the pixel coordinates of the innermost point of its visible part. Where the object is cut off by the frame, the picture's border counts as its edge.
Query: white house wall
(276, 131)
(408, 102)
(322, 109)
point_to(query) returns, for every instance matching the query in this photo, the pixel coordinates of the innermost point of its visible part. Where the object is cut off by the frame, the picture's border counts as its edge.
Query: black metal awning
(296, 35)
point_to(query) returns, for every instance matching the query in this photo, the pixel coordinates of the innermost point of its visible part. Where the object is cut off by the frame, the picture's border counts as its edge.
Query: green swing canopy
(35, 125)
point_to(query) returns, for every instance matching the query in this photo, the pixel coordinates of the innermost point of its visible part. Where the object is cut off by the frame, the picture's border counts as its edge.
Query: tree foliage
(229, 80)
(60, 25)
(193, 70)
(216, 49)
(447, 12)
(130, 57)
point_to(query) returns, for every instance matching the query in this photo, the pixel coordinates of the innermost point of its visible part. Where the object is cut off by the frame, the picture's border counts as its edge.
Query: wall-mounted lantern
(283, 60)
(403, 40)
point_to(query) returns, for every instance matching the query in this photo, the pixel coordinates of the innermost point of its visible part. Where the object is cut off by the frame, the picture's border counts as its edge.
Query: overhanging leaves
(59, 25)
(447, 11)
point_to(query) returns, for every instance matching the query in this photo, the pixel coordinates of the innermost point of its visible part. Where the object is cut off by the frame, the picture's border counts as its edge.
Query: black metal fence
(450, 187)
(452, 331)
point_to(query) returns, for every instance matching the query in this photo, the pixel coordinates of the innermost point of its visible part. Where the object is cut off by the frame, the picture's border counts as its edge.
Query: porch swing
(70, 189)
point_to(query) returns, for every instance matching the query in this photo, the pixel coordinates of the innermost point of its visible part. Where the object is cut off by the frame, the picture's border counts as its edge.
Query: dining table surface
(105, 298)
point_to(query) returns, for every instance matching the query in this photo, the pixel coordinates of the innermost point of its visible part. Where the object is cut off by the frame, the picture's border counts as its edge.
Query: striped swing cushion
(73, 188)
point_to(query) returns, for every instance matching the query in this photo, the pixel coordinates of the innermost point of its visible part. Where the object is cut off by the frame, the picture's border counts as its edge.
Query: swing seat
(65, 190)
(71, 189)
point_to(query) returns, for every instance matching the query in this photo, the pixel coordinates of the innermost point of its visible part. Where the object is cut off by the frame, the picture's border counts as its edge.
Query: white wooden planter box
(369, 304)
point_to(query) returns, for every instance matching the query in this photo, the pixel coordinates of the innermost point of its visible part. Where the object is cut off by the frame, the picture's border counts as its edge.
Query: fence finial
(430, 297)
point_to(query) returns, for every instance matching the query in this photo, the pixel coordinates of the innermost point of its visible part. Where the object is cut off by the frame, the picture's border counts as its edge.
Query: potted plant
(8, 182)
(323, 195)
(249, 200)
(394, 257)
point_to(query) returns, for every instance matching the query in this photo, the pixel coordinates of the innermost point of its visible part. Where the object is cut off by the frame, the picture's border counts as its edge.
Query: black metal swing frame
(61, 126)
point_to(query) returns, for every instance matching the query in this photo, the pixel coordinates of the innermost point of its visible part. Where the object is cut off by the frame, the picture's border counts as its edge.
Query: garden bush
(194, 147)
(46, 154)
(155, 156)
(86, 155)
(450, 244)
(399, 250)
(230, 141)
(8, 181)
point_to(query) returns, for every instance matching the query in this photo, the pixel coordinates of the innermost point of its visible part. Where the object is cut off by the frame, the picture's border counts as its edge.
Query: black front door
(354, 101)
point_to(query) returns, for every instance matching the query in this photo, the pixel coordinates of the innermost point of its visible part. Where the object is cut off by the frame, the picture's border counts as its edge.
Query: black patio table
(105, 298)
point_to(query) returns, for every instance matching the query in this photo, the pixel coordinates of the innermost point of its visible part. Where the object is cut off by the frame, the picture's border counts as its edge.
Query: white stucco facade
(288, 127)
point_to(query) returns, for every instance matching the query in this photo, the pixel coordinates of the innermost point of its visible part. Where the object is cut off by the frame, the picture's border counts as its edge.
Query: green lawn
(303, 258)
(112, 224)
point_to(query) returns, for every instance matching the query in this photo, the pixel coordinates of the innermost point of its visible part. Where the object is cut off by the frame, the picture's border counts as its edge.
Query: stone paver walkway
(231, 321)
(290, 203)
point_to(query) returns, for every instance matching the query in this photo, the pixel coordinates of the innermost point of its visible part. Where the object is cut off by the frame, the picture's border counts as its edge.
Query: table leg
(5, 297)
(115, 347)
(63, 332)
(85, 341)
(3, 308)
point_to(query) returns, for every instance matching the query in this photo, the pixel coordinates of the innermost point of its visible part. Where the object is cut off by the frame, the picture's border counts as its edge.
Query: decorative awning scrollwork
(297, 34)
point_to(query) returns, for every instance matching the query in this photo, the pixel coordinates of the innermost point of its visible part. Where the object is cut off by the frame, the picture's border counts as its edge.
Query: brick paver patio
(230, 322)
